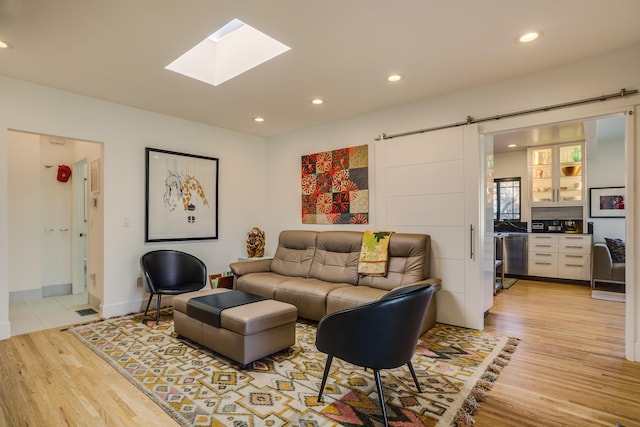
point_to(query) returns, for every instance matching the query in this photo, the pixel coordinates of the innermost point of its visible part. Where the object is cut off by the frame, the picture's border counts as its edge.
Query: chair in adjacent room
(608, 266)
(379, 335)
(169, 272)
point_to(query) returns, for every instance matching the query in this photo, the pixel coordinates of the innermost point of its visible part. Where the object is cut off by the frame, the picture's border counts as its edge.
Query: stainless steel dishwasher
(515, 254)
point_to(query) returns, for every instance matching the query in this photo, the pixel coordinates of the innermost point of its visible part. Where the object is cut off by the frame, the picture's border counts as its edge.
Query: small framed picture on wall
(607, 202)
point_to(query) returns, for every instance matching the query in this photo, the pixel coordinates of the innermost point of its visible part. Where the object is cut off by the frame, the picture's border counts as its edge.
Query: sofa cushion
(309, 295)
(295, 253)
(336, 257)
(616, 248)
(262, 283)
(409, 262)
(352, 296)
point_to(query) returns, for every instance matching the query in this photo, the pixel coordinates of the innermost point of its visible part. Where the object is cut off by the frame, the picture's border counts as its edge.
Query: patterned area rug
(455, 367)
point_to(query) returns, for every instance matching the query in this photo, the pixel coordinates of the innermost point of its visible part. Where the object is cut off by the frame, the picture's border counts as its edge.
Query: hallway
(47, 313)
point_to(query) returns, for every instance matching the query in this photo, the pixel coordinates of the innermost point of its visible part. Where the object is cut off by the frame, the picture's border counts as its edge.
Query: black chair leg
(413, 374)
(381, 397)
(158, 310)
(327, 368)
(148, 304)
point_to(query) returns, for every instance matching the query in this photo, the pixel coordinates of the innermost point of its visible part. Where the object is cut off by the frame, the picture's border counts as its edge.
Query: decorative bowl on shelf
(571, 170)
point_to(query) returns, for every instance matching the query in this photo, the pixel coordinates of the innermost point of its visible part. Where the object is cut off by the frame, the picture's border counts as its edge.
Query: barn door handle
(471, 243)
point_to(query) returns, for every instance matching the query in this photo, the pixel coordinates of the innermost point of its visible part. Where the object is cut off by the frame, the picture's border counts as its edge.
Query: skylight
(232, 50)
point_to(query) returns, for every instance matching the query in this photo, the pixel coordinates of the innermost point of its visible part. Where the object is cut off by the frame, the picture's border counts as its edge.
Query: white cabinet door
(574, 260)
(579, 243)
(574, 266)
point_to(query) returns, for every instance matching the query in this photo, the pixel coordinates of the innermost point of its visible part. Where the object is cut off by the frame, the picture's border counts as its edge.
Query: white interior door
(79, 219)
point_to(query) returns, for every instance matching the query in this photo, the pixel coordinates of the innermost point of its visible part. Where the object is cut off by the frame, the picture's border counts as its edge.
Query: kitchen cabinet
(574, 256)
(543, 255)
(556, 174)
(563, 256)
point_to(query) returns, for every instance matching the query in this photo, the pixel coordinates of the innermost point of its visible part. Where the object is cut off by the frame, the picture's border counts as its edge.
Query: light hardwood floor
(568, 370)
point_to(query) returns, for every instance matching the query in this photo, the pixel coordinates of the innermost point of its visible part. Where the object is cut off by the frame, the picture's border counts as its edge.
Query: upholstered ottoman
(243, 333)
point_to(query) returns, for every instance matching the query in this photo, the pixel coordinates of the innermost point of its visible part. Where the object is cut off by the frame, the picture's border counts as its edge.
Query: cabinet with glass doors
(556, 174)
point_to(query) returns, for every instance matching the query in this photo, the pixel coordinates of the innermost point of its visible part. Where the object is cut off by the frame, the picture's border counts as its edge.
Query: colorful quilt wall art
(335, 186)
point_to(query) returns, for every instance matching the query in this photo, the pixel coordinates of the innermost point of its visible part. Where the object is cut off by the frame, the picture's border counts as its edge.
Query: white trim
(632, 321)
(608, 296)
(626, 105)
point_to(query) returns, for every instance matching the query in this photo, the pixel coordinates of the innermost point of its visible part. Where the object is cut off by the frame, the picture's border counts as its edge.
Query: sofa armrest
(434, 282)
(602, 262)
(241, 268)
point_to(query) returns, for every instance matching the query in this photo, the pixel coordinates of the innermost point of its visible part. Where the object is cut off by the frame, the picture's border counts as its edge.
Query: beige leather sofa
(318, 272)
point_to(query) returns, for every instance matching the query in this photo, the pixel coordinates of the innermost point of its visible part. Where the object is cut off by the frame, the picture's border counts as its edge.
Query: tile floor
(47, 313)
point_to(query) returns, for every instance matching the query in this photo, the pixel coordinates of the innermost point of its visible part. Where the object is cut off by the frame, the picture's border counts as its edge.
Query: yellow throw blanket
(374, 253)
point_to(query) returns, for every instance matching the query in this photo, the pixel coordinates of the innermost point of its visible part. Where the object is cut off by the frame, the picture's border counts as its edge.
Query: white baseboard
(609, 296)
(121, 309)
(129, 307)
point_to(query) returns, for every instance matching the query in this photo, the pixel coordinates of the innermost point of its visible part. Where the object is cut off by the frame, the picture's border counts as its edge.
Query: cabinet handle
(471, 241)
(573, 265)
(542, 254)
(573, 237)
(574, 256)
(543, 263)
(542, 237)
(573, 247)
(543, 246)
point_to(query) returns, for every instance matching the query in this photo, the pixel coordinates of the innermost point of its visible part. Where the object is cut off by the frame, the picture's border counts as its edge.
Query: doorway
(47, 214)
(611, 128)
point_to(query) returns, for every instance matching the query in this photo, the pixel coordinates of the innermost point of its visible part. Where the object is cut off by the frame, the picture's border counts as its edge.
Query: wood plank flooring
(569, 370)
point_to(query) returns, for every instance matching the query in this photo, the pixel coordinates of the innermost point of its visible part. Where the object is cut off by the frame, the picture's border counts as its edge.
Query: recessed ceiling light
(394, 77)
(317, 101)
(258, 119)
(529, 37)
(512, 145)
(5, 45)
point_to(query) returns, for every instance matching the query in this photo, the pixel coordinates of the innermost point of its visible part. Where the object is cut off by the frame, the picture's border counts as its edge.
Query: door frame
(587, 112)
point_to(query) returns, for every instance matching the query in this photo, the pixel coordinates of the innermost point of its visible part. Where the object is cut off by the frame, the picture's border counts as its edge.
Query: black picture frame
(181, 196)
(607, 202)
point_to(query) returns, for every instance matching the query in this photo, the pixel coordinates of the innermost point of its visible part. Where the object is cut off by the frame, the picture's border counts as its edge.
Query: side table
(256, 258)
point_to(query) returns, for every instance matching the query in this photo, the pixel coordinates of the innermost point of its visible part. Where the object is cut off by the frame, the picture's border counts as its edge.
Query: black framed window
(506, 199)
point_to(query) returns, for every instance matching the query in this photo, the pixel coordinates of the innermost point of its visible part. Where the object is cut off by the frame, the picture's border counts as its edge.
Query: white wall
(23, 203)
(604, 170)
(55, 213)
(125, 132)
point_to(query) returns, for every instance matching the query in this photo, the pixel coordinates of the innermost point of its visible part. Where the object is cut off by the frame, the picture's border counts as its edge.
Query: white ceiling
(603, 129)
(342, 51)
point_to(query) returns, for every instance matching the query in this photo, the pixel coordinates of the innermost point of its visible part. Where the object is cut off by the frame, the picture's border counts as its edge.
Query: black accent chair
(168, 272)
(379, 335)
